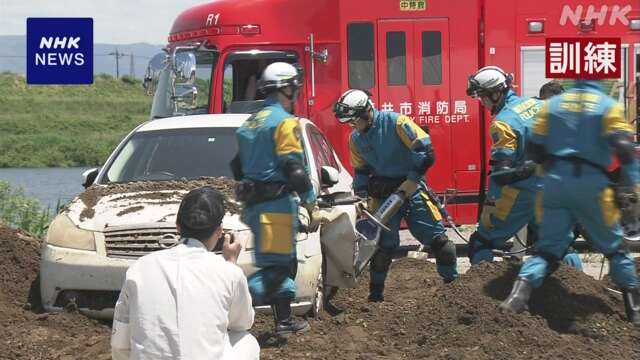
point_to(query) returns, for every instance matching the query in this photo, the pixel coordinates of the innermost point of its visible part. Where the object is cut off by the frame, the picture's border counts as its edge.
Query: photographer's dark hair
(201, 212)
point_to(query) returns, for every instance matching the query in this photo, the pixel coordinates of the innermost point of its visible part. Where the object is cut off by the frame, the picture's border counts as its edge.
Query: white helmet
(488, 79)
(353, 103)
(279, 75)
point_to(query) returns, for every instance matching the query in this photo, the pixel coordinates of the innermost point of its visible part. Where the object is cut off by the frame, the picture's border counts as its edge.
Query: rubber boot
(632, 305)
(518, 300)
(285, 323)
(375, 292)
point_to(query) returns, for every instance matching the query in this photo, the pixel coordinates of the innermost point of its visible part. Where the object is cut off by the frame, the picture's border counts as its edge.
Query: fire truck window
(240, 82)
(431, 57)
(360, 55)
(533, 71)
(396, 58)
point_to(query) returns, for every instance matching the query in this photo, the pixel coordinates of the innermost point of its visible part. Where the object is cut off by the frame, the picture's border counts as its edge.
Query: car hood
(133, 209)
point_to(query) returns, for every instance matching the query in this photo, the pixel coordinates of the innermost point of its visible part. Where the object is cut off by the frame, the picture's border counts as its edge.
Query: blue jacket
(266, 141)
(509, 131)
(394, 146)
(579, 123)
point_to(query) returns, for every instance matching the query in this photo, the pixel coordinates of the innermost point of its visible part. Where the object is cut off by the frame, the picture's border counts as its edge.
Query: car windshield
(174, 153)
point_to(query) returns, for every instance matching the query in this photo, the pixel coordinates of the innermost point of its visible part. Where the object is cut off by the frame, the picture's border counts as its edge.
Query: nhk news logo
(583, 58)
(59, 50)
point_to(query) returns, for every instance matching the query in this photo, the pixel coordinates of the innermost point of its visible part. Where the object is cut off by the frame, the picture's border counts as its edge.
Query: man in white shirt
(187, 302)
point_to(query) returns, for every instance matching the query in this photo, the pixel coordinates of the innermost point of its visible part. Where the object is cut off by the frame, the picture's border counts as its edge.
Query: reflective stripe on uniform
(538, 208)
(357, 161)
(610, 212)
(504, 204)
(435, 212)
(287, 137)
(410, 133)
(276, 233)
(503, 136)
(614, 121)
(541, 124)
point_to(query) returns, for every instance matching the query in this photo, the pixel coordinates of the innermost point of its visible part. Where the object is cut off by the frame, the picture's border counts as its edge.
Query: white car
(90, 244)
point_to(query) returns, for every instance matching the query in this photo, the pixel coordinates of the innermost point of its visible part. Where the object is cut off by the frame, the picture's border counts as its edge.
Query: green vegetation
(18, 211)
(66, 125)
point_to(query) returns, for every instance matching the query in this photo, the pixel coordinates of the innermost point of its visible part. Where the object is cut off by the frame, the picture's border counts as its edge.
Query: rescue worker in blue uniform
(575, 136)
(270, 167)
(510, 203)
(390, 153)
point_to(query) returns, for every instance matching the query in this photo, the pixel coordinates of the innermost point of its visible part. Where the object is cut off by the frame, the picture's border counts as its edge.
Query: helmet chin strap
(498, 104)
(291, 98)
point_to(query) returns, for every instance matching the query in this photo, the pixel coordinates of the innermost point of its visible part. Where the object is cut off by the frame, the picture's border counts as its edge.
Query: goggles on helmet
(346, 113)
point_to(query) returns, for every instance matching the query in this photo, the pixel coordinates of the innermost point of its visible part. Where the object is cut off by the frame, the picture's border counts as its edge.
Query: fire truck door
(413, 58)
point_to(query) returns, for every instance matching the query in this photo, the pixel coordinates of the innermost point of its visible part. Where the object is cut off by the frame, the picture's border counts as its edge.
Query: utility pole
(131, 66)
(118, 55)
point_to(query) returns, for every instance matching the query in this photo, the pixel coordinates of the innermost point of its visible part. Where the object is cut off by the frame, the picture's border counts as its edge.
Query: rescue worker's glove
(628, 200)
(409, 187)
(488, 210)
(362, 203)
(315, 217)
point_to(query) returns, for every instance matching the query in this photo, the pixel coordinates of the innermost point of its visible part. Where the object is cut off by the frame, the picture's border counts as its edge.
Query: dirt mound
(27, 334)
(172, 192)
(572, 317)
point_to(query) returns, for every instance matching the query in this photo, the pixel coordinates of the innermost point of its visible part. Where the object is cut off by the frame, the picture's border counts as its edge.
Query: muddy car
(129, 210)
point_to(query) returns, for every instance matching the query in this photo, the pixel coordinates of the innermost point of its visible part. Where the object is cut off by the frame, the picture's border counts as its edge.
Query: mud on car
(129, 207)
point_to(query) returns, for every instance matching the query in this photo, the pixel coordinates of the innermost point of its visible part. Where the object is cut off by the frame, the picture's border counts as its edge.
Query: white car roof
(195, 121)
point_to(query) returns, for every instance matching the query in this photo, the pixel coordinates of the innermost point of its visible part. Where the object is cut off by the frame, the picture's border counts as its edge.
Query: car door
(338, 237)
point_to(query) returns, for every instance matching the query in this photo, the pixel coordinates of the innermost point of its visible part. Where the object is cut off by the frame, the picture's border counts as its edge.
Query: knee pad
(553, 262)
(472, 247)
(444, 250)
(381, 261)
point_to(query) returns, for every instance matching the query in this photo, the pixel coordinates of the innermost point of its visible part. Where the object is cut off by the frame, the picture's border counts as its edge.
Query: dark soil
(572, 317)
(173, 190)
(25, 332)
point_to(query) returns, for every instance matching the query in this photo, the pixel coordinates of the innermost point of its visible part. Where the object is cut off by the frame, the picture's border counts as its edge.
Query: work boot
(632, 305)
(518, 300)
(375, 292)
(284, 321)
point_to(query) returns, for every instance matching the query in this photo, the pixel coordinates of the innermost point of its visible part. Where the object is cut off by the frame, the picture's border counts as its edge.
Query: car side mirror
(89, 176)
(329, 176)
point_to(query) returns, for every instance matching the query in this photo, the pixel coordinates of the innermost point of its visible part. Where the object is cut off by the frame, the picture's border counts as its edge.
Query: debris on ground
(573, 316)
(27, 332)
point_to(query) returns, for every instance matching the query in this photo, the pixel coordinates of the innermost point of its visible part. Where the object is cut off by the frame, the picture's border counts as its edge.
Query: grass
(19, 211)
(66, 125)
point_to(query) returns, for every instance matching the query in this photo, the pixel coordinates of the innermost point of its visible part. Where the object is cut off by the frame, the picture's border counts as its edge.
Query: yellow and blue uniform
(395, 148)
(513, 203)
(267, 141)
(574, 128)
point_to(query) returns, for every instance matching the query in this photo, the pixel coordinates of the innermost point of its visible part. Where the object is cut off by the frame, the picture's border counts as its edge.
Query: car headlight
(64, 233)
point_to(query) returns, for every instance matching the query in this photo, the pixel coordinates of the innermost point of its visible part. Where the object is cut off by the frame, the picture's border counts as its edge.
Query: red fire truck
(414, 56)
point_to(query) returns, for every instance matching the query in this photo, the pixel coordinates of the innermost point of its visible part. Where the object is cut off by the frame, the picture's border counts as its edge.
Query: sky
(114, 21)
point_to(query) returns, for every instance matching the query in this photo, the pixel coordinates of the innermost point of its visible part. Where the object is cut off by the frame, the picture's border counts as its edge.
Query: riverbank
(66, 126)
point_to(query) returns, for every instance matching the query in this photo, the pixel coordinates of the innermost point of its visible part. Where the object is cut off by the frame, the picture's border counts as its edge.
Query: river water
(48, 185)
